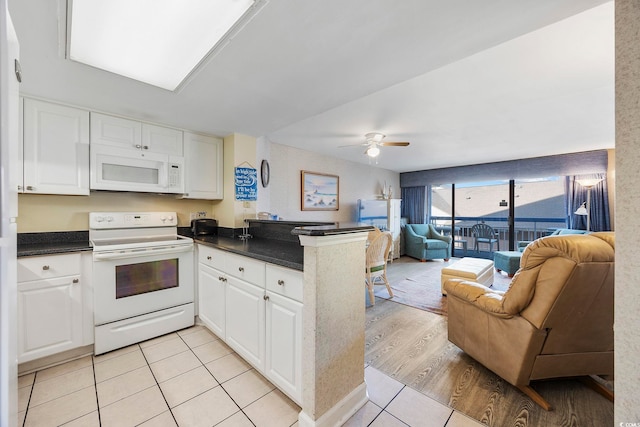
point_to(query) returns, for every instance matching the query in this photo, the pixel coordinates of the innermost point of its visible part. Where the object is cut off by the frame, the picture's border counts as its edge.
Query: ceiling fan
(373, 142)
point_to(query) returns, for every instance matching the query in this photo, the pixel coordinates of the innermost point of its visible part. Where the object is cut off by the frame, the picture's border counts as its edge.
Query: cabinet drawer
(212, 257)
(245, 268)
(285, 281)
(48, 266)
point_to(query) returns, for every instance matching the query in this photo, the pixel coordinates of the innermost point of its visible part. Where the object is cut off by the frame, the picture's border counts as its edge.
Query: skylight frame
(252, 8)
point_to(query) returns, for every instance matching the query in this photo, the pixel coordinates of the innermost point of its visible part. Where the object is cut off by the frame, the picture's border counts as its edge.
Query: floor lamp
(585, 208)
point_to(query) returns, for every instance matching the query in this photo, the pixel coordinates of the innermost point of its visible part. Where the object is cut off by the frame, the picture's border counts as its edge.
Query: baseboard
(55, 359)
(340, 412)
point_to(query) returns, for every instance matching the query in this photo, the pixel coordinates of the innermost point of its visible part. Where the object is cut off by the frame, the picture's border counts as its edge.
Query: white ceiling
(465, 82)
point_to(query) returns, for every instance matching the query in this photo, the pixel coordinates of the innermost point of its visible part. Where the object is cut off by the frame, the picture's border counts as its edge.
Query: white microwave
(120, 169)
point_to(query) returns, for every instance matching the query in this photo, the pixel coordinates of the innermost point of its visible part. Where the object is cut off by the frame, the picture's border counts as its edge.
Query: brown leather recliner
(555, 320)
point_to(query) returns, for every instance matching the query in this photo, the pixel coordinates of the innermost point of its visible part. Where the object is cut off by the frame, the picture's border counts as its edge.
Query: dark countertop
(50, 243)
(286, 254)
(328, 230)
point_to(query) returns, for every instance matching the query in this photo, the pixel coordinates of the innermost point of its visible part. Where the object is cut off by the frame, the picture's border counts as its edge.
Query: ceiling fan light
(373, 151)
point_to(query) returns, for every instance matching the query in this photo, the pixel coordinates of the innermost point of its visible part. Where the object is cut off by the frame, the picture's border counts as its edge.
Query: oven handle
(106, 256)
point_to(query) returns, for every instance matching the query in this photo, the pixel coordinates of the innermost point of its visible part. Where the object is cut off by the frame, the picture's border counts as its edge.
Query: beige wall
(37, 212)
(627, 319)
(239, 151)
(282, 196)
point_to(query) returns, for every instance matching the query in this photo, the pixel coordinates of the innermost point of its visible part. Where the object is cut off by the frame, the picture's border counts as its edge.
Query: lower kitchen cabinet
(211, 298)
(256, 308)
(50, 305)
(284, 344)
(245, 321)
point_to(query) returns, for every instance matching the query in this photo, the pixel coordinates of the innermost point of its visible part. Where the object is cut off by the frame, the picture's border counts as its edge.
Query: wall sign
(246, 180)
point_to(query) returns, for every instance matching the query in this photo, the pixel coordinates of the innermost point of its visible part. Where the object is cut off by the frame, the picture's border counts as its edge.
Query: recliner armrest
(485, 299)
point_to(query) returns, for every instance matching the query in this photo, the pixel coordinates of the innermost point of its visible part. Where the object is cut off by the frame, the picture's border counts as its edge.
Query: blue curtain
(599, 212)
(413, 204)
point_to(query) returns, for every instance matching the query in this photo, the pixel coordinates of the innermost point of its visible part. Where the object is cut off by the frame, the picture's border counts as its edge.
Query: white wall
(282, 196)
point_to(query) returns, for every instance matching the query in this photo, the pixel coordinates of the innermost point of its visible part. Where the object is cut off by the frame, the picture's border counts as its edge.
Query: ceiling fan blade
(394, 144)
(353, 145)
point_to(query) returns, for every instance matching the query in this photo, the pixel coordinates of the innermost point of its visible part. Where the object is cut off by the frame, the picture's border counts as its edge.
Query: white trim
(340, 412)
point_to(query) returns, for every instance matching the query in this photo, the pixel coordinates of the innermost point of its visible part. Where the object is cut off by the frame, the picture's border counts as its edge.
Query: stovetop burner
(127, 230)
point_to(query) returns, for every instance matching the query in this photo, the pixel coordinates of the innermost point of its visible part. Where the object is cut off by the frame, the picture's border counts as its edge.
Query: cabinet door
(211, 299)
(56, 149)
(49, 317)
(203, 167)
(116, 131)
(245, 321)
(162, 140)
(283, 361)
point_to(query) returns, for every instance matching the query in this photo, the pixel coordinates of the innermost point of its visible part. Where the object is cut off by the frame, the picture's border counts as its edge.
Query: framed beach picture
(320, 192)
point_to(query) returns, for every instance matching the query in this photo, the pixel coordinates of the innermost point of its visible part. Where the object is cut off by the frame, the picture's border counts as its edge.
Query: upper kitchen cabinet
(135, 135)
(55, 149)
(203, 167)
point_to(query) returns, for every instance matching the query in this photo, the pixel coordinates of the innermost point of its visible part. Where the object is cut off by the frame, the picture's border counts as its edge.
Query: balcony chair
(376, 263)
(482, 233)
(423, 242)
(555, 320)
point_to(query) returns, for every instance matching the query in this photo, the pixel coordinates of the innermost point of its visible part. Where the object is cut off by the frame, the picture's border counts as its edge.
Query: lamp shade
(588, 182)
(582, 210)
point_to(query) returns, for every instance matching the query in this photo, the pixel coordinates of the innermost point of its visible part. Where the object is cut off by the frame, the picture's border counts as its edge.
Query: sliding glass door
(478, 214)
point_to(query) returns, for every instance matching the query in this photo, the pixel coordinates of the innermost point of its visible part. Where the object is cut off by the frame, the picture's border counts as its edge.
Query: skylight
(154, 41)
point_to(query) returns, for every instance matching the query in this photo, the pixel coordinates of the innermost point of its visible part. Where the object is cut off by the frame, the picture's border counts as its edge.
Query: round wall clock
(264, 173)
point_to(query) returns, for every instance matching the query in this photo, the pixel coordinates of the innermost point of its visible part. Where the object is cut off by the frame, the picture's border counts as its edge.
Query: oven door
(132, 282)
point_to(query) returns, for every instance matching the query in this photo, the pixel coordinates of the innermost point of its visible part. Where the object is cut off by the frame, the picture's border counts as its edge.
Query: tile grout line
(219, 384)
(95, 386)
(26, 411)
(385, 406)
(159, 388)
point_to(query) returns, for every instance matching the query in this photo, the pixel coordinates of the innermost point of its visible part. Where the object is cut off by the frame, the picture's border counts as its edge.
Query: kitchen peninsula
(332, 258)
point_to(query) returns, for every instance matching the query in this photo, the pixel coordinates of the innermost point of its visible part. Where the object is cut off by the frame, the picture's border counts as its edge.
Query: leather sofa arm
(485, 299)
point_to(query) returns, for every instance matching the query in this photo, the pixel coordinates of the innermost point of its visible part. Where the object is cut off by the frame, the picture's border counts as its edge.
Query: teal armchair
(423, 242)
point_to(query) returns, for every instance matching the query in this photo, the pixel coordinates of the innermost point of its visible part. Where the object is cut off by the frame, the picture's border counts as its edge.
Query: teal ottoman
(507, 261)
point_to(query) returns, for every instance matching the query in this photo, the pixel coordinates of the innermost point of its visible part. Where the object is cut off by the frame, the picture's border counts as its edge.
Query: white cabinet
(55, 149)
(384, 214)
(283, 359)
(51, 316)
(245, 320)
(203, 167)
(212, 294)
(132, 134)
(256, 308)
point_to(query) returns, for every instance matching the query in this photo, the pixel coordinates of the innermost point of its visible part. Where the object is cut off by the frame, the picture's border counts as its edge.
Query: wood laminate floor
(411, 346)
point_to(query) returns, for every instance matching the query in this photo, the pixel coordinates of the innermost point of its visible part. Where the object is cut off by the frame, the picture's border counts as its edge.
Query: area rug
(423, 291)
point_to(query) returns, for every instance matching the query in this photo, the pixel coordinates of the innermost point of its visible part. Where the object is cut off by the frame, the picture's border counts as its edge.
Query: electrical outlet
(246, 204)
(202, 214)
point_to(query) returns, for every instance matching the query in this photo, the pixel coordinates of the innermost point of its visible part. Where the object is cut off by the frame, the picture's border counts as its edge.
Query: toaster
(204, 227)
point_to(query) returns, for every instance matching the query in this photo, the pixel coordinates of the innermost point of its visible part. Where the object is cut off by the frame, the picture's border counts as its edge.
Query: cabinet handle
(220, 278)
(281, 282)
(76, 280)
(209, 257)
(45, 267)
(138, 146)
(30, 188)
(146, 147)
(266, 297)
(241, 269)
(19, 187)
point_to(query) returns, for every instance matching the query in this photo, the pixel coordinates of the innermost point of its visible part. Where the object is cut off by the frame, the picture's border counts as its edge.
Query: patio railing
(525, 229)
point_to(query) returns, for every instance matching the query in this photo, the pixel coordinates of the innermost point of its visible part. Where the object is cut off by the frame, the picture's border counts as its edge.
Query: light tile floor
(191, 378)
